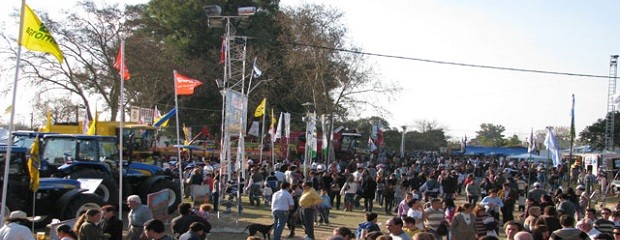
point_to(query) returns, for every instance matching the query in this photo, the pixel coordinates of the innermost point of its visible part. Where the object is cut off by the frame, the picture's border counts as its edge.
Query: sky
(558, 36)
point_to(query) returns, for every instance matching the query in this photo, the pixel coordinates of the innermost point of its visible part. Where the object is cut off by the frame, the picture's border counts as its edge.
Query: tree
(594, 135)
(513, 141)
(491, 135)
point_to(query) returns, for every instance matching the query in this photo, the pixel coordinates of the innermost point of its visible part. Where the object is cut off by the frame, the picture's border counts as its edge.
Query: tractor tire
(108, 189)
(82, 202)
(174, 190)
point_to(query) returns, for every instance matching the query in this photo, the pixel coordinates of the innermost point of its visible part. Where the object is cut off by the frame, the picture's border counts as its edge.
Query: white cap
(18, 214)
(536, 184)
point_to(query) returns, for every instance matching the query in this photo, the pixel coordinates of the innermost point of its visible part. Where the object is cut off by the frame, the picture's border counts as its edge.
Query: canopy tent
(490, 151)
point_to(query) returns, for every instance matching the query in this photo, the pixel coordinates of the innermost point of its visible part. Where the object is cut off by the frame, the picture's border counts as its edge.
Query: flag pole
(176, 106)
(7, 161)
(572, 140)
(262, 140)
(120, 134)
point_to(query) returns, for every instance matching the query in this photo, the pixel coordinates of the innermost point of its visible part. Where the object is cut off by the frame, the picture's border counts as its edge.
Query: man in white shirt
(281, 203)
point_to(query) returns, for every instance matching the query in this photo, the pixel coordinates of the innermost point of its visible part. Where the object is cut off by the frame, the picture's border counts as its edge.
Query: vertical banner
(287, 125)
(235, 121)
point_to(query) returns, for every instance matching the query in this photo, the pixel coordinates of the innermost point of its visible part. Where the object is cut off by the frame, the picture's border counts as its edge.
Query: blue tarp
(491, 151)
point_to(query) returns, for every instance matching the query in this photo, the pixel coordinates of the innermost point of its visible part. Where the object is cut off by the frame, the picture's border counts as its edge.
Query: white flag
(552, 146)
(254, 129)
(287, 125)
(324, 135)
(279, 128)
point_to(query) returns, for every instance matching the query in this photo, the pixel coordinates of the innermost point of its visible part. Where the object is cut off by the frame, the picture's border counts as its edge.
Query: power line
(450, 63)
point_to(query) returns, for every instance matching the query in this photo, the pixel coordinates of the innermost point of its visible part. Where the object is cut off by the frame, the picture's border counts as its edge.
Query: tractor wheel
(81, 203)
(107, 190)
(174, 190)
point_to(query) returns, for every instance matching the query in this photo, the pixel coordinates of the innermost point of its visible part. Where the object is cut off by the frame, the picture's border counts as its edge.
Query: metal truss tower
(611, 105)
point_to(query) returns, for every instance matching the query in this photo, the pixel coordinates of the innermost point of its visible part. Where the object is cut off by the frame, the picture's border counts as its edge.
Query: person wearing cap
(308, 202)
(537, 192)
(137, 217)
(15, 227)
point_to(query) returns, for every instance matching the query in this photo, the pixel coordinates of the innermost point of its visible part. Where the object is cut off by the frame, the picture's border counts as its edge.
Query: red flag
(120, 65)
(223, 51)
(185, 85)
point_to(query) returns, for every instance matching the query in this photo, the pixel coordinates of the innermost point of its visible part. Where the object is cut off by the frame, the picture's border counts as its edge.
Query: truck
(56, 198)
(75, 156)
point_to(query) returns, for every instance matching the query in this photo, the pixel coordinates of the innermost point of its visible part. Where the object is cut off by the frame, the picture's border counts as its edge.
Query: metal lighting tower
(611, 111)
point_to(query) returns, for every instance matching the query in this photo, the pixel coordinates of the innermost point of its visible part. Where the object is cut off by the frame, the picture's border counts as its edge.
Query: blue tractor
(56, 197)
(77, 156)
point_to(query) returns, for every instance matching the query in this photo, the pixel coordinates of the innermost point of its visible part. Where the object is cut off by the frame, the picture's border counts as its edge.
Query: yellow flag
(92, 129)
(48, 122)
(33, 165)
(8, 109)
(260, 110)
(186, 132)
(36, 37)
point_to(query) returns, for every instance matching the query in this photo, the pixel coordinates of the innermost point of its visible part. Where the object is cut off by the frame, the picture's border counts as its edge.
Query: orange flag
(185, 85)
(119, 64)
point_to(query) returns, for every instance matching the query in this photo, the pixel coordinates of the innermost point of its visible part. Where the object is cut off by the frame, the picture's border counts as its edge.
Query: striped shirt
(433, 218)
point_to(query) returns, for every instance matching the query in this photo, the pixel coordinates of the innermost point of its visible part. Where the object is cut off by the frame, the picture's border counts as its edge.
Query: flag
(48, 122)
(464, 144)
(260, 109)
(324, 135)
(371, 145)
(163, 120)
(92, 129)
(313, 136)
(552, 146)
(120, 64)
(287, 125)
(254, 129)
(185, 85)
(257, 71)
(33, 165)
(187, 136)
(36, 37)
(272, 127)
(8, 109)
(279, 128)
(156, 114)
(85, 123)
(223, 51)
(572, 121)
(531, 144)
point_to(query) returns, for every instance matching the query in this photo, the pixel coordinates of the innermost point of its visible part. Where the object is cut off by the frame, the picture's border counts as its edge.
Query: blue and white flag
(552, 146)
(531, 144)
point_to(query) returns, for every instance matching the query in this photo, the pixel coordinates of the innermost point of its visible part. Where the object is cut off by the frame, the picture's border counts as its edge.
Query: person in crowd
(603, 224)
(463, 224)
(616, 233)
(308, 202)
(433, 217)
(410, 226)
(138, 215)
(492, 204)
(546, 200)
(431, 188)
(416, 211)
(349, 189)
(586, 226)
(511, 228)
(568, 231)
(537, 192)
(550, 219)
(343, 233)
(540, 232)
(15, 227)
(324, 207)
(472, 189)
(530, 221)
(485, 223)
(523, 236)
(566, 206)
(388, 196)
(403, 207)
(196, 232)
(370, 225)
(154, 229)
(282, 202)
(181, 223)
(394, 226)
(89, 230)
(64, 232)
(254, 185)
(369, 186)
(110, 225)
(449, 208)
(509, 197)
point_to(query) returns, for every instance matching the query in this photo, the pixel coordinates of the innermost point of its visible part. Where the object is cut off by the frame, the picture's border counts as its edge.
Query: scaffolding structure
(611, 104)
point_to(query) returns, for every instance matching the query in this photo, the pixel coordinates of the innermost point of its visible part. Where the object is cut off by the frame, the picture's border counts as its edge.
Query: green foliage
(594, 135)
(491, 135)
